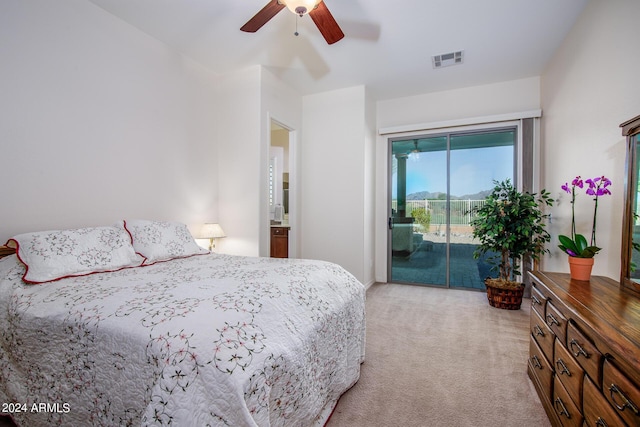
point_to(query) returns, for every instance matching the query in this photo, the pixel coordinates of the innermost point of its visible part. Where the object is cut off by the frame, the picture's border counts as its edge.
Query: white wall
(369, 207)
(465, 103)
(284, 105)
(336, 196)
(477, 101)
(248, 100)
(99, 122)
(589, 87)
(239, 161)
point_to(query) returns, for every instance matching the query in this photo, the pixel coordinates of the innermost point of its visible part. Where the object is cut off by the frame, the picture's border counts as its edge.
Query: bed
(196, 339)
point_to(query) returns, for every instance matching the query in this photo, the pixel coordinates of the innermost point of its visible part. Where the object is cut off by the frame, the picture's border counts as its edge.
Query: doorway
(279, 187)
(435, 183)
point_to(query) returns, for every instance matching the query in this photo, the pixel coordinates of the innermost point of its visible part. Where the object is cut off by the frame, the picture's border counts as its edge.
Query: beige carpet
(438, 357)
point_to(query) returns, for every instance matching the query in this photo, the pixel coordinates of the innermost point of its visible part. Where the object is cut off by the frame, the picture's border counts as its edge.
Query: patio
(427, 265)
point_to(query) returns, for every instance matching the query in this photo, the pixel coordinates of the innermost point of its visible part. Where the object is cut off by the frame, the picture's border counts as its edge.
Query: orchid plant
(577, 245)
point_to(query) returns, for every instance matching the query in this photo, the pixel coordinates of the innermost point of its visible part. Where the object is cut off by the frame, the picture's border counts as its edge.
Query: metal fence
(460, 210)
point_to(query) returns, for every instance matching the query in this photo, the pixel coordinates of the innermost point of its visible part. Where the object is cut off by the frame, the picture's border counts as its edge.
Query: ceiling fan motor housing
(316, 9)
(300, 7)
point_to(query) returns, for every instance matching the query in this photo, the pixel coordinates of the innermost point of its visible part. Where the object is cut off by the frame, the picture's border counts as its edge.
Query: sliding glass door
(436, 181)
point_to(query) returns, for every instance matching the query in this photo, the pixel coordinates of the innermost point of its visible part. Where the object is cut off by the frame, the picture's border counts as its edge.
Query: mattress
(206, 340)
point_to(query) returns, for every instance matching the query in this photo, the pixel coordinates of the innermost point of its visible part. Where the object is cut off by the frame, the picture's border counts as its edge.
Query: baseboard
(369, 284)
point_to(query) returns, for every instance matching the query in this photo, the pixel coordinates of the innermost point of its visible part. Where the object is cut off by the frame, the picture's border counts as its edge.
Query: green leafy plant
(578, 247)
(422, 218)
(511, 224)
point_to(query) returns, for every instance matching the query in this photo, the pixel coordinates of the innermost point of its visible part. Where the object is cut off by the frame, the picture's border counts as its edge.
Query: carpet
(438, 357)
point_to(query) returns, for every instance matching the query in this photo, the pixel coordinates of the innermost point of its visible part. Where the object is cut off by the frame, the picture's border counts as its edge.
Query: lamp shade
(211, 231)
(300, 7)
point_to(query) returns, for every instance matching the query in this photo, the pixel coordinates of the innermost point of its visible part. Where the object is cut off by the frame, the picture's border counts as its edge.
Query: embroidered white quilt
(210, 340)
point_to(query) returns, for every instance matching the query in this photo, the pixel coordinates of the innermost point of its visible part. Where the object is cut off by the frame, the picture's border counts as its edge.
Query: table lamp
(211, 231)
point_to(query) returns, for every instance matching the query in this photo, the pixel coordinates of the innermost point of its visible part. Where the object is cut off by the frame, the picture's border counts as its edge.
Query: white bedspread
(208, 340)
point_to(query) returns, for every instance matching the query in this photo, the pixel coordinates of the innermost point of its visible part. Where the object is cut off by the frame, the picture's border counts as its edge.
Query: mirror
(630, 274)
(279, 153)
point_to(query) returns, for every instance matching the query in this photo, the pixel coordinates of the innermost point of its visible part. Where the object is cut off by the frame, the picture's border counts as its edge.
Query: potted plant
(510, 225)
(576, 247)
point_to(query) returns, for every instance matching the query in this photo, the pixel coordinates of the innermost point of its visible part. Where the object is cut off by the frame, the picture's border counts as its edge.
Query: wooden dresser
(279, 242)
(6, 251)
(584, 356)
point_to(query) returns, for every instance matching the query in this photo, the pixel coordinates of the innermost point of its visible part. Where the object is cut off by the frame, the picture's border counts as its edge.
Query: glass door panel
(418, 211)
(435, 182)
(476, 160)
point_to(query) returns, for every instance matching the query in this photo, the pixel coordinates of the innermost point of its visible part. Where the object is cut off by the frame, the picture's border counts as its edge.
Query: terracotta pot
(580, 268)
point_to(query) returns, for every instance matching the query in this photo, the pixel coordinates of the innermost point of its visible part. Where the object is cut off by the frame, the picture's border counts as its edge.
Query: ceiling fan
(316, 9)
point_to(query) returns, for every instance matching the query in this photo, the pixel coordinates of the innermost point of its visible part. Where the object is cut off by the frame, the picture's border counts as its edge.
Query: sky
(472, 170)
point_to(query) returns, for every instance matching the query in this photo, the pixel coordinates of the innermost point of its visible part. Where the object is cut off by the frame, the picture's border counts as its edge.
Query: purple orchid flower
(577, 182)
(598, 191)
(596, 187)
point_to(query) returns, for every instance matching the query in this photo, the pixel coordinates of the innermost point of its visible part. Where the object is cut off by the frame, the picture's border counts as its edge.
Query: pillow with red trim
(162, 240)
(56, 254)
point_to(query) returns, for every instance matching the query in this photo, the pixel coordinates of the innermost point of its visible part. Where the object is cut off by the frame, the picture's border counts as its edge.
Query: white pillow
(162, 241)
(56, 254)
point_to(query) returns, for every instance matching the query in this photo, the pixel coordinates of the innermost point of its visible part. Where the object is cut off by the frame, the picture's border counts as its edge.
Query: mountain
(425, 195)
(481, 195)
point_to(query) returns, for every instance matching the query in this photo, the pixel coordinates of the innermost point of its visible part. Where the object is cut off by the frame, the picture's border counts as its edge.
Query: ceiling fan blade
(328, 26)
(266, 13)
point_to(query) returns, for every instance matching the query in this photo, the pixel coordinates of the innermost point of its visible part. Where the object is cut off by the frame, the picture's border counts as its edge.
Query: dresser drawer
(566, 410)
(597, 410)
(279, 231)
(584, 352)
(538, 300)
(623, 394)
(569, 372)
(540, 367)
(556, 321)
(542, 334)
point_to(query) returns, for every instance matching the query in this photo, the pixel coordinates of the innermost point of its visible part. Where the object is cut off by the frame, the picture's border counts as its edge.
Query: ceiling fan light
(300, 7)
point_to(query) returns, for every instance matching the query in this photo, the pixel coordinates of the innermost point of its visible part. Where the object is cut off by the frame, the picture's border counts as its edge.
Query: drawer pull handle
(601, 423)
(626, 402)
(551, 320)
(536, 361)
(538, 331)
(562, 410)
(563, 368)
(535, 300)
(581, 351)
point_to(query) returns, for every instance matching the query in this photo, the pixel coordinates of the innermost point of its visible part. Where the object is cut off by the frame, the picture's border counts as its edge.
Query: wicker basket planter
(504, 296)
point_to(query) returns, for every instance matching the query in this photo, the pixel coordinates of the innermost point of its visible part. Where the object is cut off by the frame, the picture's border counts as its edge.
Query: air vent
(448, 59)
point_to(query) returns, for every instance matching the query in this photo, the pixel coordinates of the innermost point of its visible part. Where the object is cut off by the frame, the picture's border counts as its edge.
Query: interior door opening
(279, 185)
(435, 182)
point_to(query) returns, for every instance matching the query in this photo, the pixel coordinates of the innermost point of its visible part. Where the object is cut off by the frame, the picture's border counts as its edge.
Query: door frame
(518, 125)
(292, 159)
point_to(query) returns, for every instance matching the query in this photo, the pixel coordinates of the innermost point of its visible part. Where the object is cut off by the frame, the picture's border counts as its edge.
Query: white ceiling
(388, 45)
